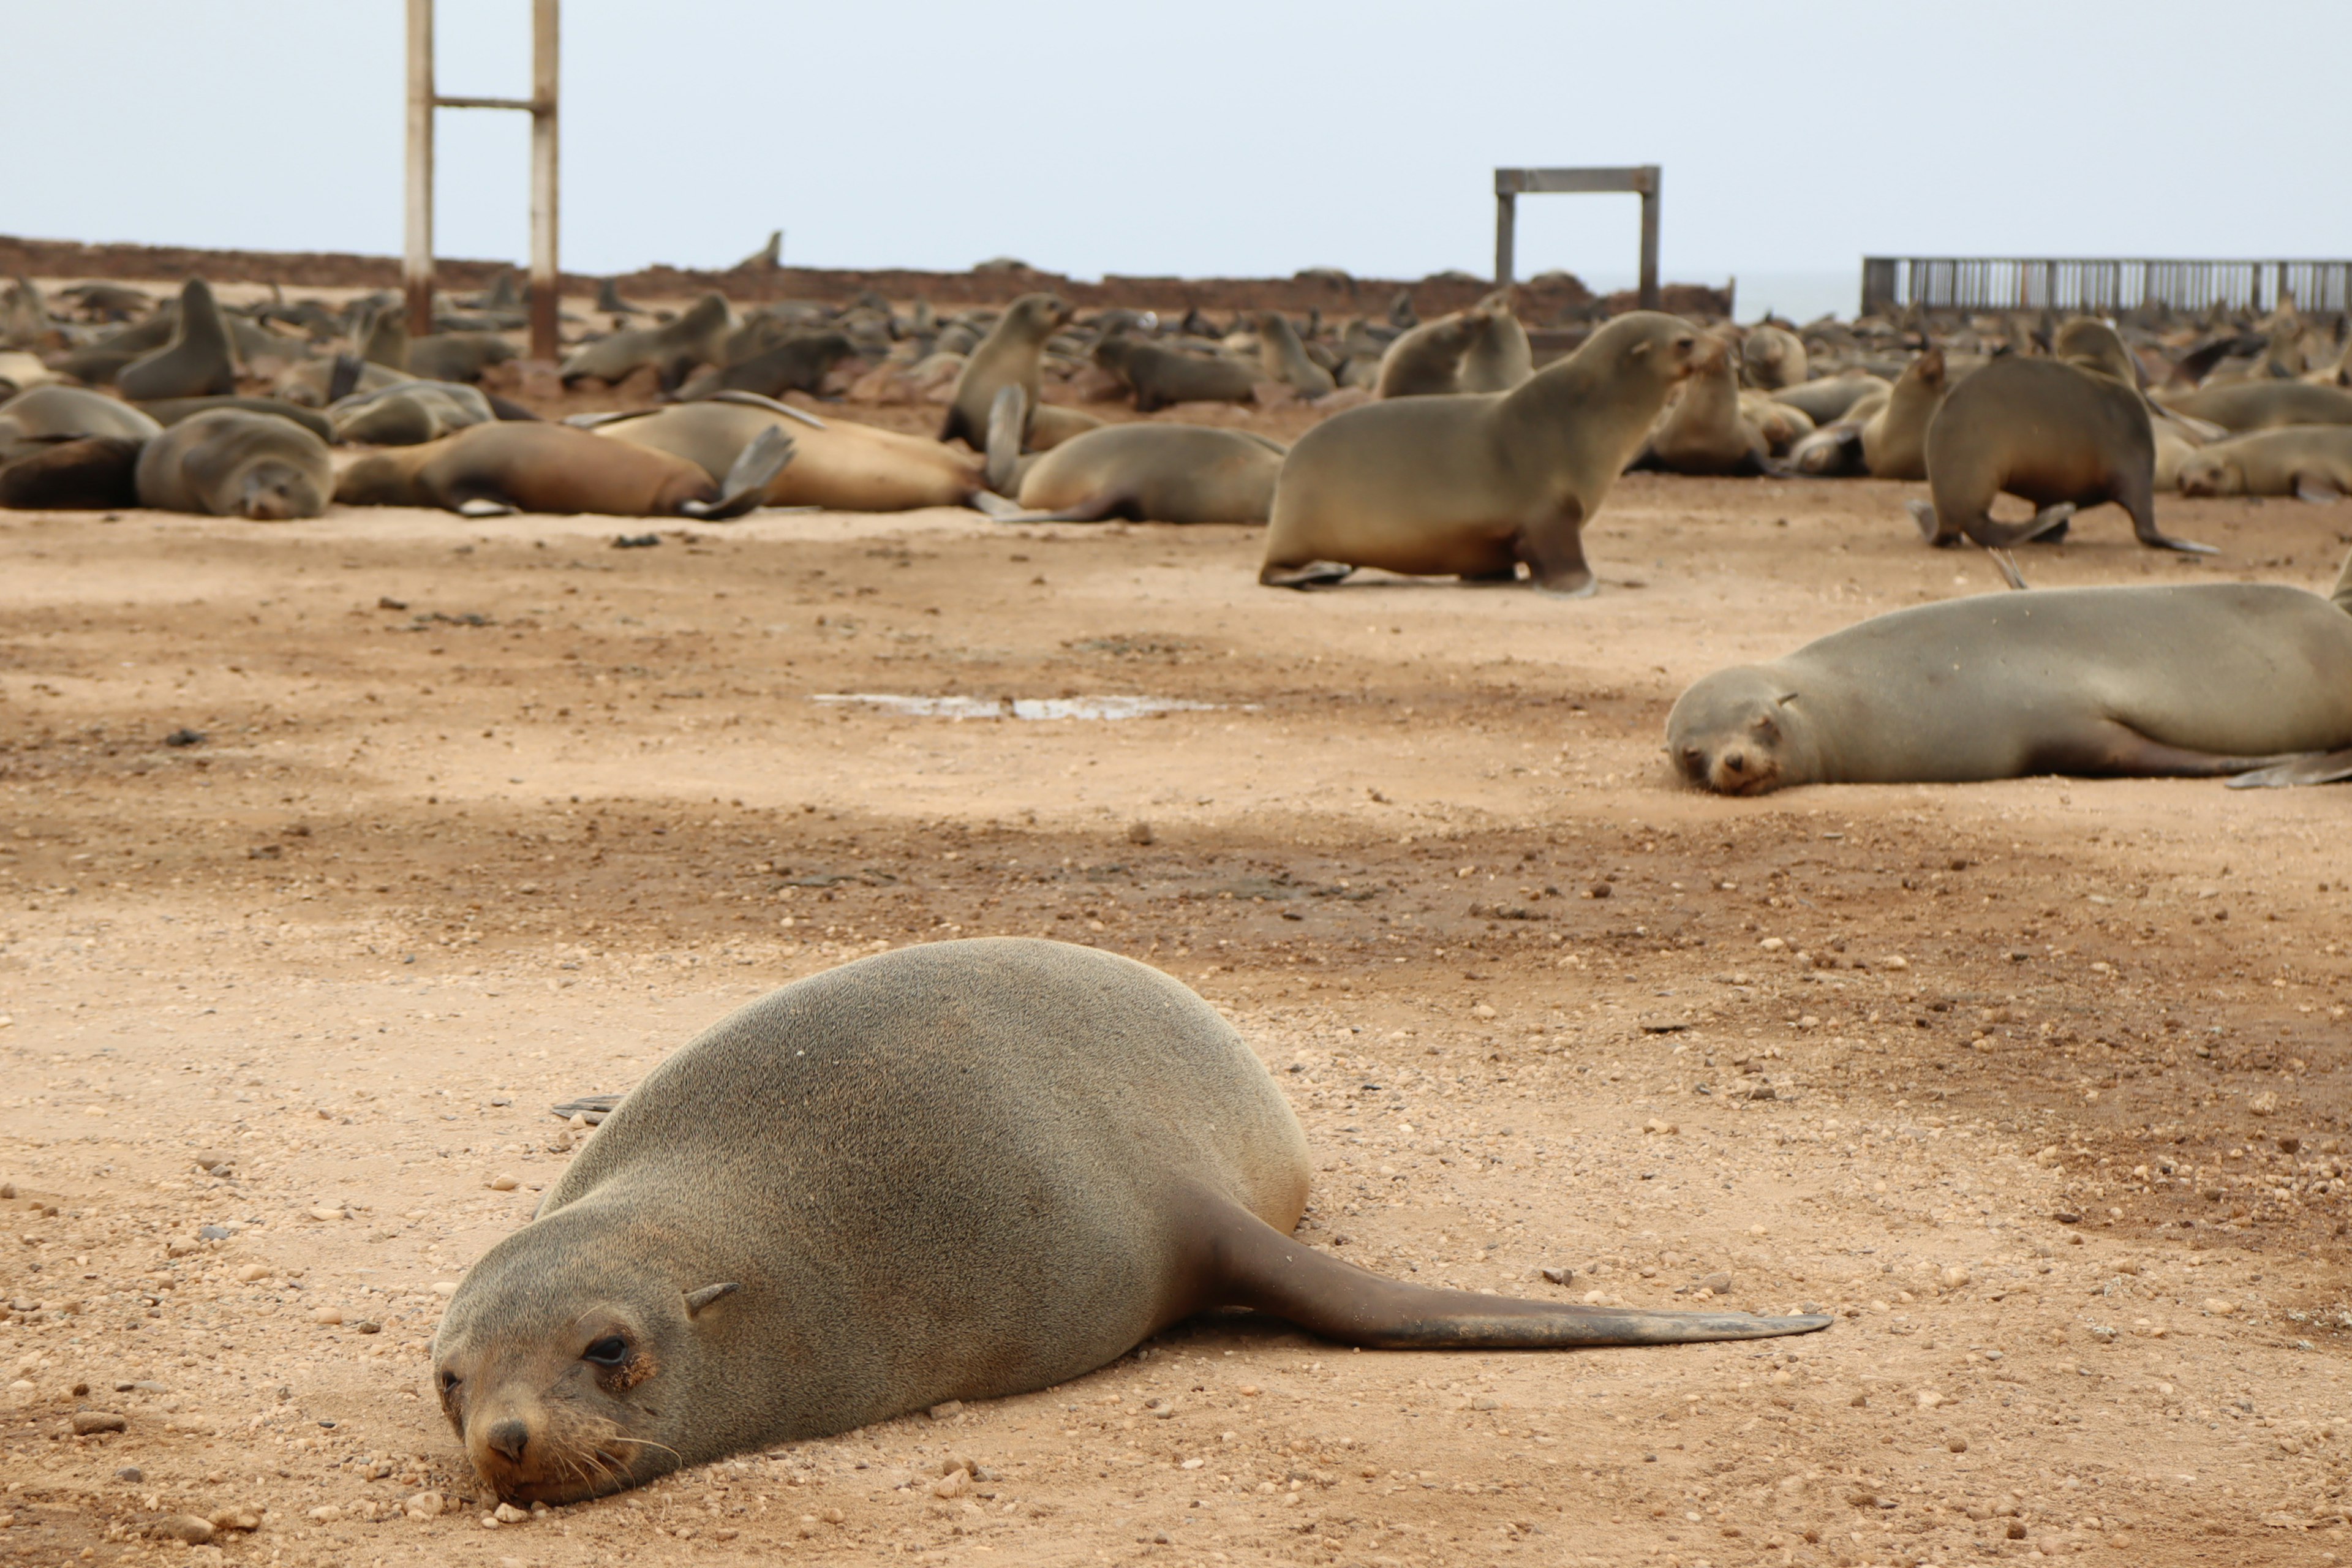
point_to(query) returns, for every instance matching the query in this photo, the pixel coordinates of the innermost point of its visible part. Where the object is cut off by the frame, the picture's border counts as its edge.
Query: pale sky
(1237, 139)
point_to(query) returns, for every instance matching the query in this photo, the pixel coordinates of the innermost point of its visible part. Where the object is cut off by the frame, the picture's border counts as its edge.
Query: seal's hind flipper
(1246, 1262)
(2007, 565)
(1923, 514)
(754, 469)
(345, 377)
(1008, 426)
(2316, 768)
(1000, 507)
(591, 1108)
(483, 506)
(2048, 525)
(1313, 574)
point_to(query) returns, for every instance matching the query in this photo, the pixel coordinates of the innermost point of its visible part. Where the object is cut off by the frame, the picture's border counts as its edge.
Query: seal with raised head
(2062, 433)
(958, 1170)
(1706, 429)
(1773, 358)
(196, 362)
(1473, 485)
(1499, 355)
(1012, 354)
(1284, 357)
(490, 469)
(2313, 461)
(232, 462)
(2192, 679)
(1426, 361)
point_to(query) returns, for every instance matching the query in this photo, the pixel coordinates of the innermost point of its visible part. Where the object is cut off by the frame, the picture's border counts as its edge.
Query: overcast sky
(1212, 138)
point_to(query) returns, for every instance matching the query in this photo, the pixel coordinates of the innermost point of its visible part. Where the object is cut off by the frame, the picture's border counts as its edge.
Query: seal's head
(1652, 344)
(1036, 316)
(2204, 474)
(1739, 731)
(272, 491)
(566, 1376)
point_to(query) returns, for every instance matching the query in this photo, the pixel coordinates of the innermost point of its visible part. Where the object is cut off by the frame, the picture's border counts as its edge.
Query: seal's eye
(448, 1383)
(610, 1351)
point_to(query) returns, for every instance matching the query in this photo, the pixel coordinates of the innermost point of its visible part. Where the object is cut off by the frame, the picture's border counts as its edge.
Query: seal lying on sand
(487, 470)
(2313, 461)
(837, 464)
(956, 1171)
(232, 462)
(1473, 485)
(2194, 680)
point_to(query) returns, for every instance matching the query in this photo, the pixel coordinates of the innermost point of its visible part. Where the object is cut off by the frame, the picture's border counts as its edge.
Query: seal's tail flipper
(1312, 574)
(1250, 1264)
(754, 469)
(593, 1107)
(1008, 426)
(2317, 768)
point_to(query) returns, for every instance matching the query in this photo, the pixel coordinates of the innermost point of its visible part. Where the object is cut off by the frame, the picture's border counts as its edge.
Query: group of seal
(957, 1171)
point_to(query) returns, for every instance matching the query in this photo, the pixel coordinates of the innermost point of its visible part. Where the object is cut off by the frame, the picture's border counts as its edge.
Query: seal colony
(956, 1171)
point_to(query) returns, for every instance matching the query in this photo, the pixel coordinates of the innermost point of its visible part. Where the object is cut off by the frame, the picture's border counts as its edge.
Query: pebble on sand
(2220, 1307)
(85, 1422)
(424, 1505)
(327, 1315)
(253, 1271)
(502, 1183)
(185, 1528)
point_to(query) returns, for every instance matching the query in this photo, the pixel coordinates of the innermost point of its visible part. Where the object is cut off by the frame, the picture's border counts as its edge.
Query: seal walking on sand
(2193, 679)
(1473, 485)
(952, 1172)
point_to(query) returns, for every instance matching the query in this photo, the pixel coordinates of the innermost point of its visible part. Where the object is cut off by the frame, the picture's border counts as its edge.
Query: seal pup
(231, 462)
(837, 464)
(699, 336)
(1160, 377)
(1012, 354)
(1151, 472)
(1472, 484)
(2192, 680)
(1426, 359)
(2062, 433)
(2310, 461)
(958, 1171)
(196, 362)
(2248, 406)
(490, 470)
(1284, 356)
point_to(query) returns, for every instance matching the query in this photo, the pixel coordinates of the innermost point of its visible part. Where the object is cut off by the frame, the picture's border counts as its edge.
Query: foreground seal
(488, 469)
(232, 462)
(2063, 433)
(2194, 680)
(1473, 485)
(957, 1171)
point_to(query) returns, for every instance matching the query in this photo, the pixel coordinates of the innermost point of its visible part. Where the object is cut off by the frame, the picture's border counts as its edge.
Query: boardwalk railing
(2005, 283)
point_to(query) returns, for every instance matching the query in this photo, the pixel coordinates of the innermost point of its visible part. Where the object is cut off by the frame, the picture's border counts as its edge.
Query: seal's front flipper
(754, 469)
(2044, 524)
(1923, 514)
(483, 506)
(1312, 574)
(1248, 1263)
(343, 378)
(2317, 488)
(1554, 552)
(1008, 426)
(2115, 750)
(2313, 768)
(594, 1108)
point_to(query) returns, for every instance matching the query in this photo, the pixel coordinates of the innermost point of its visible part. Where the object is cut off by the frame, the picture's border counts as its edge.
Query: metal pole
(1507, 224)
(416, 266)
(1650, 295)
(545, 275)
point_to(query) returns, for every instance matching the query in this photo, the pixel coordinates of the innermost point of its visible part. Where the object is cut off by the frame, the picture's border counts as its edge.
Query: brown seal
(1284, 357)
(1499, 357)
(2313, 461)
(83, 473)
(54, 412)
(1151, 472)
(958, 1170)
(798, 364)
(197, 360)
(1706, 429)
(2062, 433)
(1013, 354)
(699, 336)
(515, 467)
(235, 463)
(1426, 361)
(1163, 376)
(2193, 679)
(837, 464)
(2246, 406)
(1475, 485)
(1773, 358)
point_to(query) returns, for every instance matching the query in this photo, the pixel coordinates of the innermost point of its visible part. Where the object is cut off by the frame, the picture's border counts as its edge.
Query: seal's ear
(697, 1299)
(1786, 698)
(1639, 351)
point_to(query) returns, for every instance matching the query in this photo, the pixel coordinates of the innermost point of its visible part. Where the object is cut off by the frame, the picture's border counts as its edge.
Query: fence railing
(2011, 283)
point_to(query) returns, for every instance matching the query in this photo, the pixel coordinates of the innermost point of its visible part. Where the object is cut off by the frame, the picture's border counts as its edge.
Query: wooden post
(1507, 224)
(545, 274)
(416, 265)
(1650, 194)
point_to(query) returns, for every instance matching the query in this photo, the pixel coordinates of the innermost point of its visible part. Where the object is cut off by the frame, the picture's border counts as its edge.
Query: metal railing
(2010, 283)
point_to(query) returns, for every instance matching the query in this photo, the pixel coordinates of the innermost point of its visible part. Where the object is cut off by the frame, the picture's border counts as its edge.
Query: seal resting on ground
(1472, 484)
(2192, 679)
(1706, 429)
(487, 470)
(837, 464)
(697, 337)
(958, 1170)
(1151, 472)
(45, 413)
(2062, 433)
(1161, 376)
(2263, 405)
(2313, 461)
(231, 462)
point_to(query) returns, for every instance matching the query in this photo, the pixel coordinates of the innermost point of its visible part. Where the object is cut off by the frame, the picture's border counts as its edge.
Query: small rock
(85, 1422)
(946, 1408)
(953, 1484)
(2264, 1104)
(507, 1513)
(212, 1159)
(1719, 1284)
(2220, 1307)
(1928, 1398)
(503, 1183)
(1772, 945)
(186, 1528)
(253, 1271)
(424, 1505)
(1600, 890)
(2016, 1530)
(327, 1513)
(243, 1519)
(327, 1315)
(131, 1473)
(1958, 1445)
(367, 1326)
(322, 1212)
(1954, 1276)
(1140, 833)
(1560, 1276)
(1482, 1011)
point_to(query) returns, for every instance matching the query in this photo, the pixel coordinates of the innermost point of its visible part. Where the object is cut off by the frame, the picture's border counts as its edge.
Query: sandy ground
(2038, 1086)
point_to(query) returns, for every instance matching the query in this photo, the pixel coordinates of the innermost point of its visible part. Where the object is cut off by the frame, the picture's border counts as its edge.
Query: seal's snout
(510, 1437)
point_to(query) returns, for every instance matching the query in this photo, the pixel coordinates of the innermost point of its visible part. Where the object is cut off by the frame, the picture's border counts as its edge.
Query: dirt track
(2039, 1086)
